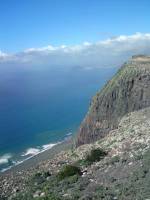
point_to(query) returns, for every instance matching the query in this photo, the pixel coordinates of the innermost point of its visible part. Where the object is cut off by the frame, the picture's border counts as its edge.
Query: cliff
(127, 91)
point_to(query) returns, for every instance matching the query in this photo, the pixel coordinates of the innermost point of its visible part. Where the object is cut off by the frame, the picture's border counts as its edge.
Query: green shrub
(115, 159)
(95, 155)
(46, 174)
(73, 179)
(69, 170)
(38, 178)
(50, 197)
(30, 197)
(81, 162)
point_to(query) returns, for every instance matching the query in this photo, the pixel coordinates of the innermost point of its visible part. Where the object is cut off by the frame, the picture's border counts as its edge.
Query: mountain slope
(122, 174)
(127, 91)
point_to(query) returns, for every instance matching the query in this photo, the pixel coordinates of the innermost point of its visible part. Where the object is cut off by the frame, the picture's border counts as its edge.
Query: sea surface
(41, 107)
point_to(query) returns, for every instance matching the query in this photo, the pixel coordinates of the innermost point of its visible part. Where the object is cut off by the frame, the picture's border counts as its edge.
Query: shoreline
(50, 146)
(42, 156)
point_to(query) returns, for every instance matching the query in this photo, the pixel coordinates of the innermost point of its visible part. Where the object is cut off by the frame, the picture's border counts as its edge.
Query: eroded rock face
(127, 91)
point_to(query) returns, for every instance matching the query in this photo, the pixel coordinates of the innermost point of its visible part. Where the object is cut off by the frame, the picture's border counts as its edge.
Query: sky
(72, 33)
(37, 23)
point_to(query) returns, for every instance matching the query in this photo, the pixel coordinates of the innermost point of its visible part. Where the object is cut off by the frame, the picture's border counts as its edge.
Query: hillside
(127, 91)
(122, 173)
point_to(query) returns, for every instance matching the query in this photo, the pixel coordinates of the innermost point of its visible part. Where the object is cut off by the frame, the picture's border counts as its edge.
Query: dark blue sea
(40, 107)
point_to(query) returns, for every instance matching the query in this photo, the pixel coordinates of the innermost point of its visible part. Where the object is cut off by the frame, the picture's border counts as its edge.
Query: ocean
(41, 107)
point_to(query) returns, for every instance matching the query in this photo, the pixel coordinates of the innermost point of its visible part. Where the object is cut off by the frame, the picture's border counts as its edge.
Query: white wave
(35, 151)
(5, 169)
(5, 158)
(68, 134)
(32, 151)
(49, 146)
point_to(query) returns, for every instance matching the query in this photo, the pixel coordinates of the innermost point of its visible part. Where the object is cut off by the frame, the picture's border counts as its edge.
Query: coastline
(42, 156)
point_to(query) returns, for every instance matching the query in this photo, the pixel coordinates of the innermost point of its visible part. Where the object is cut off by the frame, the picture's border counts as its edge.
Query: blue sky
(37, 23)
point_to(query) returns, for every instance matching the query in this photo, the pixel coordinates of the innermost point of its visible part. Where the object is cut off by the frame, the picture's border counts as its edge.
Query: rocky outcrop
(127, 91)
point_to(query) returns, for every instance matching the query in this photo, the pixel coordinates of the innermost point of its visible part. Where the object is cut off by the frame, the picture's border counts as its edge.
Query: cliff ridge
(126, 92)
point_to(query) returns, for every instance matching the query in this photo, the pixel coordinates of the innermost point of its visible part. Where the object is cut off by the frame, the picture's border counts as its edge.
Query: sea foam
(5, 158)
(28, 154)
(31, 152)
(69, 134)
(35, 151)
(49, 146)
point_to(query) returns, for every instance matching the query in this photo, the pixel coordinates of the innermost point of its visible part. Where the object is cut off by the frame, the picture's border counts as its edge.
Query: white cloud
(107, 53)
(48, 48)
(3, 55)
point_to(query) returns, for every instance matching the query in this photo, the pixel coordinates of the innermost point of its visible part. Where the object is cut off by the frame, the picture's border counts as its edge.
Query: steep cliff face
(127, 91)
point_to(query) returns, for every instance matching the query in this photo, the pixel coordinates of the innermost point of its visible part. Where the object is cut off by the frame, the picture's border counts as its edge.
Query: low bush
(30, 197)
(115, 159)
(95, 155)
(69, 170)
(46, 174)
(38, 178)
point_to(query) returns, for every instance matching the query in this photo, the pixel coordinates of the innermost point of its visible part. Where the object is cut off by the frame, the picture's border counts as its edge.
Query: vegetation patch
(69, 170)
(95, 156)
(30, 197)
(40, 177)
(115, 159)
